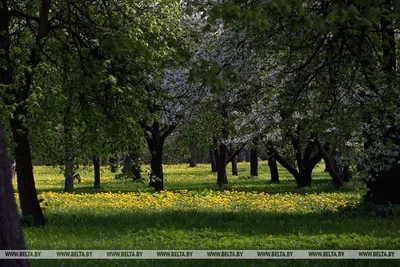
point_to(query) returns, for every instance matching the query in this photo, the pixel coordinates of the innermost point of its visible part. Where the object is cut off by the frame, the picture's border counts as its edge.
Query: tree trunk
(330, 165)
(273, 169)
(157, 174)
(212, 161)
(222, 178)
(384, 189)
(96, 166)
(247, 156)
(306, 162)
(132, 166)
(69, 175)
(69, 172)
(346, 174)
(216, 157)
(114, 165)
(193, 157)
(253, 162)
(155, 138)
(234, 166)
(304, 178)
(11, 236)
(240, 156)
(31, 211)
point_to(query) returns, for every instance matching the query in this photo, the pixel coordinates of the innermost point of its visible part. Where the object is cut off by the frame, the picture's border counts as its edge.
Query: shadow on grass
(244, 185)
(353, 221)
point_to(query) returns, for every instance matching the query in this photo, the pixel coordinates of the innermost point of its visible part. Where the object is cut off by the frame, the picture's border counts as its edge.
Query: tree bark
(247, 156)
(216, 158)
(253, 162)
(212, 160)
(305, 159)
(234, 166)
(157, 174)
(273, 169)
(69, 172)
(329, 162)
(132, 166)
(346, 174)
(11, 236)
(155, 138)
(114, 165)
(222, 153)
(241, 156)
(96, 167)
(193, 157)
(30, 207)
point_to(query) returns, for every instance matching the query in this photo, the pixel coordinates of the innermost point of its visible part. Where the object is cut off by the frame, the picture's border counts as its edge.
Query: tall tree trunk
(96, 167)
(11, 236)
(253, 162)
(222, 178)
(273, 169)
(234, 166)
(212, 160)
(193, 157)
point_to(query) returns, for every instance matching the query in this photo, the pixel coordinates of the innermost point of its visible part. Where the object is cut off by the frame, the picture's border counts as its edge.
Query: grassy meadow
(250, 213)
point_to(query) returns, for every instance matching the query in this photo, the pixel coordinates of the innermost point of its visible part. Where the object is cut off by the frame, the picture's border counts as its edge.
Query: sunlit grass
(193, 213)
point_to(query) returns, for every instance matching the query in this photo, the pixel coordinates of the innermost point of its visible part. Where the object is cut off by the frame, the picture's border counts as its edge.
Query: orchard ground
(194, 214)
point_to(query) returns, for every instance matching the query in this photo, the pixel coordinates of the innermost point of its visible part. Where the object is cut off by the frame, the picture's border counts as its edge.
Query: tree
(18, 86)
(11, 236)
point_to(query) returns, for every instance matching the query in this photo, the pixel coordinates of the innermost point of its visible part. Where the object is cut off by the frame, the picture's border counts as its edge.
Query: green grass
(88, 219)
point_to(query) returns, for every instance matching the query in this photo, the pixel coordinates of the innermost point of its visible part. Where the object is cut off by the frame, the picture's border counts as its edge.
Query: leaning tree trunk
(253, 162)
(193, 157)
(96, 167)
(11, 236)
(273, 169)
(31, 211)
(212, 160)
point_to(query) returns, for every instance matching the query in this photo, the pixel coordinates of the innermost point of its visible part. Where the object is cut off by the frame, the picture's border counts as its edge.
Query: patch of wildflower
(228, 201)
